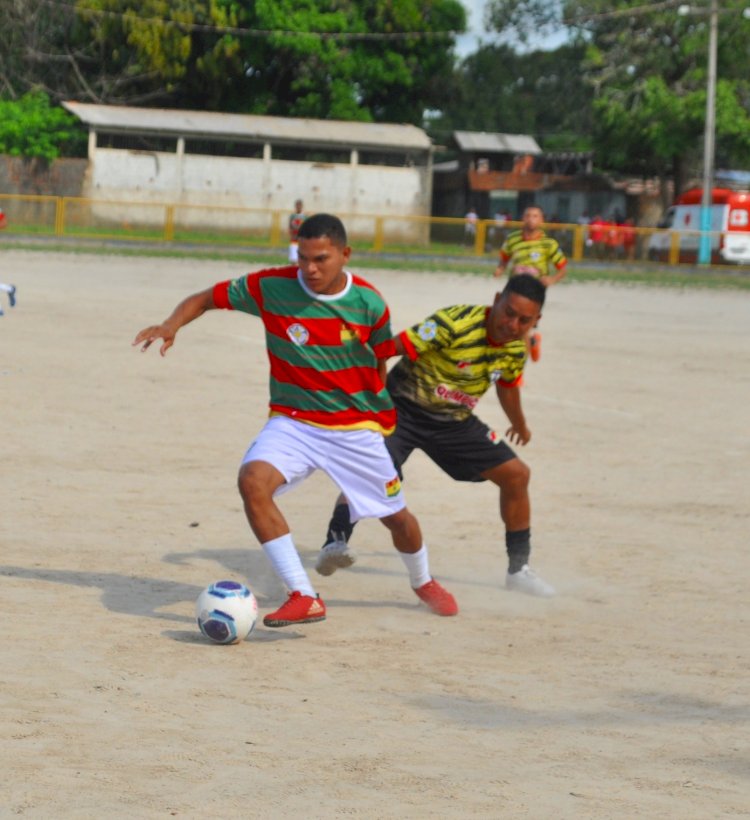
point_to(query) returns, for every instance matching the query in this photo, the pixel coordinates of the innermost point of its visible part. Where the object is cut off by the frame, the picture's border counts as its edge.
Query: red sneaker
(437, 598)
(298, 609)
(535, 346)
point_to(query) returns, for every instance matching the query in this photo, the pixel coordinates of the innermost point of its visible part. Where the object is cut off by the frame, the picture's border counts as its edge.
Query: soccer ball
(226, 612)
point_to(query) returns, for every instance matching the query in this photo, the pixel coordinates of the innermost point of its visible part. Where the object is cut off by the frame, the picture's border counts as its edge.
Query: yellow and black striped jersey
(450, 363)
(532, 255)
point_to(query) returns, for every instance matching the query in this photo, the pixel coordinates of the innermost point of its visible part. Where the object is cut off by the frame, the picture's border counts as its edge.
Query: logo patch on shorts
(493, 437)
(298, 333)
(393, 487)
(427, 330)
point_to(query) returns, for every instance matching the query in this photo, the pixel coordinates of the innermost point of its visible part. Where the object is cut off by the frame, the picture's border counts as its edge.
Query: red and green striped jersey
(323, 349)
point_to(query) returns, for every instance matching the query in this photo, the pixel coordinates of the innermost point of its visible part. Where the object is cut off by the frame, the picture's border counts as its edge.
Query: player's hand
(499, 271)
(518, 434)
(150, 334)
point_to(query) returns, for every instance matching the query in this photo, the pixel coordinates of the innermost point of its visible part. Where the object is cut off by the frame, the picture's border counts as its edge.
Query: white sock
(418, 566)
(286, 562)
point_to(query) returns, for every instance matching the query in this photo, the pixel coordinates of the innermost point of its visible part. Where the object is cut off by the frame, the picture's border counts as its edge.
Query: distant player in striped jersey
(295, 223)
(530, 250)
(327, 336)
(448, 363)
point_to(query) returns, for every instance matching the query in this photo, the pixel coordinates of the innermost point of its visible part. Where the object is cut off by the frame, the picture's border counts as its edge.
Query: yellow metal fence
(78, 217)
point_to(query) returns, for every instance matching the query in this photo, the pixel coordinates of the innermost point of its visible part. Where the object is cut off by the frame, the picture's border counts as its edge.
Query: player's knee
(253, 486)
(518, 474)
(399, 523)
(524, 473)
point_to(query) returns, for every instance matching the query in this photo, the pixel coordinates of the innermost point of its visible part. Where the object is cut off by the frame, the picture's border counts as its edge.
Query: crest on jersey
(348, 334)
(427, 330)
(298, 333)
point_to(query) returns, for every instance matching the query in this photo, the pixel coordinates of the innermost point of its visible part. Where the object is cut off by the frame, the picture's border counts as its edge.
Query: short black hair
(319, 225)
(524, 284)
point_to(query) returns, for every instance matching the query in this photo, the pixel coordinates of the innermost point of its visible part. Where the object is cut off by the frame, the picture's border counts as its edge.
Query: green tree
(363, 59)
(647, 69)
(30, 127)
(539, 93)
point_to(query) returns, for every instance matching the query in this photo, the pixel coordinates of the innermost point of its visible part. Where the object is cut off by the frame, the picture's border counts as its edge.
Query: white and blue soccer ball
(226, 612)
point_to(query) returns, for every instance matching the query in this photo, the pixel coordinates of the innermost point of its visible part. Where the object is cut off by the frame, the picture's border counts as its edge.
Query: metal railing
(199, 224)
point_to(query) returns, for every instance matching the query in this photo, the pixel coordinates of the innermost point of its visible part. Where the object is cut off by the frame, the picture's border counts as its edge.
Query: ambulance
(730, 227)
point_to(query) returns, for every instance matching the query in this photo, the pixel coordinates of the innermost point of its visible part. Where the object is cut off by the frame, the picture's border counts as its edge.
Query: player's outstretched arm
(554, 278)
(510, 401)
(188, 310)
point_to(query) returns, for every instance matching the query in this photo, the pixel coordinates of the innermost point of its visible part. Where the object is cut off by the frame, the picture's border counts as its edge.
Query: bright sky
(470, 42)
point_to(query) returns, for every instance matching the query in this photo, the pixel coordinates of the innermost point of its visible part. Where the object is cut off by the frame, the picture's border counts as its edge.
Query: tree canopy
(32, 128)
(383, 60)
(538, 93)
(646, 67)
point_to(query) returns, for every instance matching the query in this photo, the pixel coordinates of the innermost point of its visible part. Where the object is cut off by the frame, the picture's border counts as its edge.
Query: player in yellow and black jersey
(448, 362)
(531, 251)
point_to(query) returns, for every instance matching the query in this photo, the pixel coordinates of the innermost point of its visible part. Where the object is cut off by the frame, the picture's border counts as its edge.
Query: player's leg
(469, 450)
(512, 477)
(363, 469)
(11, 291)
(336, 553)
(407, 538)
(283, 454)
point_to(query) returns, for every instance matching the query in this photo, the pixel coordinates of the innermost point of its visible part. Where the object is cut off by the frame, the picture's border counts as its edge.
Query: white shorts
(357, 460)
(293, 252)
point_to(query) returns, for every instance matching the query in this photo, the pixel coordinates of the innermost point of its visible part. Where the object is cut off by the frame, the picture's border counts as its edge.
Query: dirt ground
(625, 696)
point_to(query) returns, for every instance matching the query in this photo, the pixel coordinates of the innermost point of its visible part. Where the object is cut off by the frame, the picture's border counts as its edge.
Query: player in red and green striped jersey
(328, 336)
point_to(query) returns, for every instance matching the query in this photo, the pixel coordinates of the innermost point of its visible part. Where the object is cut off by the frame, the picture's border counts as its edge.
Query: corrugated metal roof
(474, 141)
(250, 128)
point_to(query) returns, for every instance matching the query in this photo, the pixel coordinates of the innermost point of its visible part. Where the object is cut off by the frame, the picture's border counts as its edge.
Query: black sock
(340, 524)
(518, 546)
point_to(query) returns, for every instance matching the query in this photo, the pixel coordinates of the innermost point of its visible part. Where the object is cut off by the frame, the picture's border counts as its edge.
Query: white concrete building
(236, 169)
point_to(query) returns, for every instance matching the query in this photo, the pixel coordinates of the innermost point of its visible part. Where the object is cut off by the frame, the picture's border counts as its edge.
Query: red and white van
(730, 227)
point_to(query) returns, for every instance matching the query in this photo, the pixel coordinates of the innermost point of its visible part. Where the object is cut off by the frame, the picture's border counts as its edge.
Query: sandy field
(626, 696)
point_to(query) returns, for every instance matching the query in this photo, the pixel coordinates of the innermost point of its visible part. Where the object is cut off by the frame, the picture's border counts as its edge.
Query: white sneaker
(334, 555)
(526, 580)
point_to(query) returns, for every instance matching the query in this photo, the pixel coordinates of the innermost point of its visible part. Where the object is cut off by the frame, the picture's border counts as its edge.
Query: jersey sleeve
(558, 258)
(242, 293)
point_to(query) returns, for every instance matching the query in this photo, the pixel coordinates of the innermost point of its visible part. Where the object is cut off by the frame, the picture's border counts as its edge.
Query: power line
(631, 11)
(252, 32)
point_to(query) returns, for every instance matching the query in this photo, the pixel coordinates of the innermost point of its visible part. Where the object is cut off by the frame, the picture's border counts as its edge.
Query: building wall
(237, 183)
(63, 177)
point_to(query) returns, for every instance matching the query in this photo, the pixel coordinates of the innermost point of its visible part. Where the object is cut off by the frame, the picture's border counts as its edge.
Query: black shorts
(463, 449)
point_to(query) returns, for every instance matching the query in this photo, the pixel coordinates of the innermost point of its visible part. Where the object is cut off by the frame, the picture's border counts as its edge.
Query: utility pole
(704, 247)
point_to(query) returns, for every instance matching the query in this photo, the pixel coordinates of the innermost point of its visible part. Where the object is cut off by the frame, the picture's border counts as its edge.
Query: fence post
(275, 229)
(479, 239)
(59, 215)
(578, 243)
(674, 248)
(169, 224)
(377, 241)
